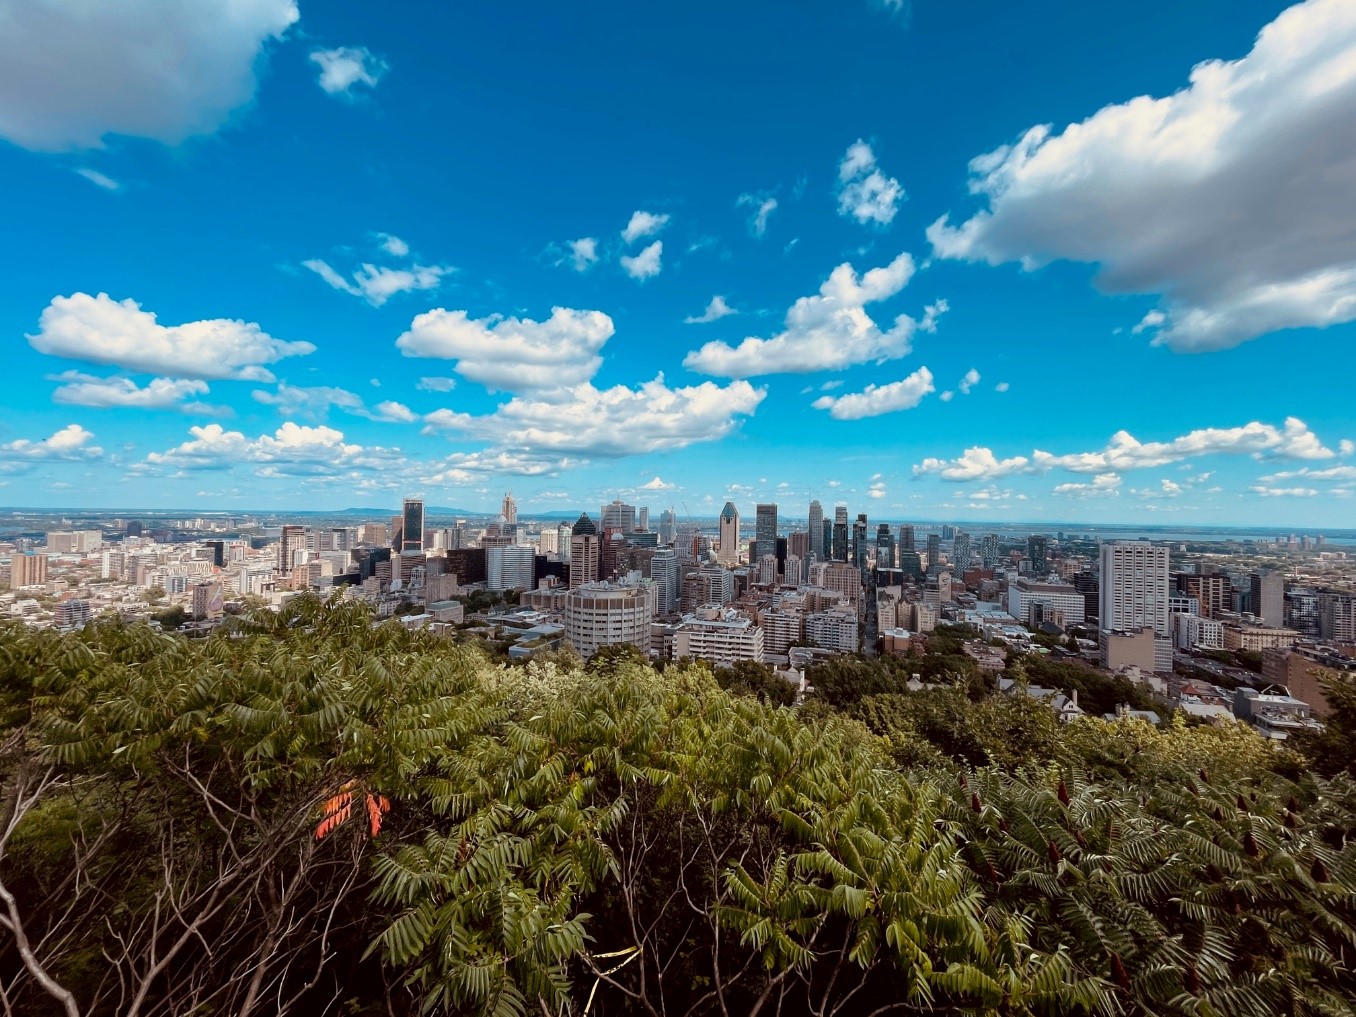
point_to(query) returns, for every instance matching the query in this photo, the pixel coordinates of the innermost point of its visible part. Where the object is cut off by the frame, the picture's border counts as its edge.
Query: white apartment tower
(1134, 593)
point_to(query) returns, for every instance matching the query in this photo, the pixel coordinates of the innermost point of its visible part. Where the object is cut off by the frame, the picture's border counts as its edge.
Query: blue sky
(939, 262)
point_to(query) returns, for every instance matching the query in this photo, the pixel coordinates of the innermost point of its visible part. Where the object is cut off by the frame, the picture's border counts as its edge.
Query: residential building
(27, 570)
(720, 635)
(1192, 632)
(960, 553)
(74, 541)
(291, 541)
(71, 614)
(1240, 635)
(834, 629)
(1337, 617)
(1304, 669)
(1267, 598)
(664, 573)
(208, 601)
(1134, 594)
(603, 614)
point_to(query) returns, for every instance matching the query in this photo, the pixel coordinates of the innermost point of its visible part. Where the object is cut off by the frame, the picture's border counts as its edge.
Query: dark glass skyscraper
(1036, 551)
(885, 547)
(859, 542)
(412, 526)
(765, 530)
(839, 550)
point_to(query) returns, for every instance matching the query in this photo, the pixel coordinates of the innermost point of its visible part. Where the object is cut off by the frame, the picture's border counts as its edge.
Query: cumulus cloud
(761, 207)
(582, 254)
(1151, 191)
(346, 67)
(292, 450)
(436, 384)
(609, 423)
(876, 490)
(314, 402)
(101, 330)
(378, 284)
(1336, 473)
(1104, 485)
(513, 354)
(646, 264)
(79, 389)
(864, 192)
(875, 400)
(73, 72)
(393, 245)
(829, 331)
(472, 467)
(71, 444)
(970, 380)
(715, 310)
(643, 224)
(657, 484)
(1293, 440)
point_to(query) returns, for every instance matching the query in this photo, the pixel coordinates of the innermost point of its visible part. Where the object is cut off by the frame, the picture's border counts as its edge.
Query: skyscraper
(668, 526)
(1134, 593)
(584, 551)
(643, 519)
(906, 538)
(1037, 551)
(816, 528)
(839, 550)
(960, 553)
(729, 534)
(509, 509)
(885, 547)
(859, 542)
(412, 526)
(988, 550)
(291, 540)
(664, 572)
(617, 515)
(765, 531)
(1268, 598)
(934, 550)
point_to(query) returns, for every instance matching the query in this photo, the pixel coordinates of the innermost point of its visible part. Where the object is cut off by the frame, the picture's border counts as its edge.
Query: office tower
(1036, 550)
(664, 573)
(828, 539)
(960, 553)
(618, 515)
(508, 510)
(668, 527)
(374, 534)
(1134, 594)
(27, 570)
(584, 551)
(859, 542)
(729, 535)
(643, 519)
(412, 526)
(839, 550)
(934, 550)
(1268, 598)
(563, 534)
(906, 538)
(218, 549)
(885, 547)
(948, 532)
(988, 550)
(816, 528)
(133, 528)
(510, 568)
(798, 543)
(290, 541)
(765, 531)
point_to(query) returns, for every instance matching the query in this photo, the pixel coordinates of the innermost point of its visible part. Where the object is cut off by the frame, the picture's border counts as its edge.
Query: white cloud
(947, 396)
(98, 179)
(1151, 190)
(645, 264)
(1331, 473)
(1104, 485)
(314, 402)
(72, 72)
(611, 423)
(1284, 492)
(876, 491)
(762, 206)
(970, 380)
(829, 331)
(513, 354)
(345, 67)
(159, 393)
(1166, 489)
(875, 400)
(657, 484)
(471, 467)
(1152, 319)
(393, 245)
(583, 254)
(378, 284)
(1346, 447)
(715, 310)
(864, 192)
(643, 224)
(1002, 386)
(436, 384)
(71, 443)
(100, 330)
(292, 450)
(1293, 440)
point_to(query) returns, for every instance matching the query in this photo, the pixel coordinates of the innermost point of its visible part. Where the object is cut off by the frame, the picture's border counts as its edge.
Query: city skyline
(331, 272)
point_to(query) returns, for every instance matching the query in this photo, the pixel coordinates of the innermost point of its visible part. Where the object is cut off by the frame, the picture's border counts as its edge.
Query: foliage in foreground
(563, 839)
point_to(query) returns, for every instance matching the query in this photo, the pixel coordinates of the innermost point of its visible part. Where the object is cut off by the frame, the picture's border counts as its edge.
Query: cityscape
(757, 509)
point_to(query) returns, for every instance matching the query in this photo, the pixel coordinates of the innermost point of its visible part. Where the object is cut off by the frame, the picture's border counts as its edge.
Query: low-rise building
(720, 635)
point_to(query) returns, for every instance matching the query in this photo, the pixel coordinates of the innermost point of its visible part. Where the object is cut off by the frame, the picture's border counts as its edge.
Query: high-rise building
(291, 540)
(1037, 550)
(765, 531)
(412, 526)
(603, 614)
(948, 532)
(508, 510)
(1134, 594)
(839, 550)
(859, 542)
(664, 573)
(218, 549)
(1267, 598)
(74, 541)
(934, 550)
(585, 551)
(617, 515)
(27, 570)
(816, 528)
(960, 553)
(885, 547)
(728, 553)
(988, 550)
(1337, 616)
(906, 538)
(510, 568)
(668, 527)
(643, 519)
(208, 601)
